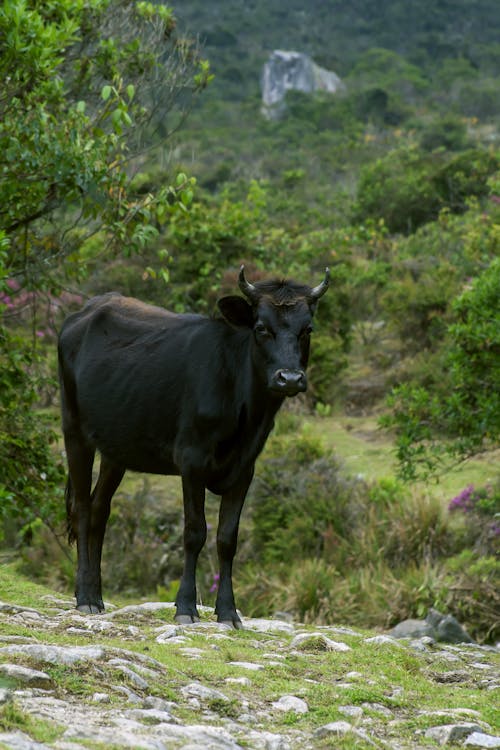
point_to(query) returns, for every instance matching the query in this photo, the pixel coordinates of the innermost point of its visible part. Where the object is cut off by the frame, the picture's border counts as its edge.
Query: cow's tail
(69, 496)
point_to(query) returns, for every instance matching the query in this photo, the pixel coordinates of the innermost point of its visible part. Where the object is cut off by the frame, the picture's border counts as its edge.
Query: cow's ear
(236, 311)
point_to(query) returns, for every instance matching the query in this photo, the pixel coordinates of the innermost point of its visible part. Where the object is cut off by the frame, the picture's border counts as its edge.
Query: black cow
(188, 395)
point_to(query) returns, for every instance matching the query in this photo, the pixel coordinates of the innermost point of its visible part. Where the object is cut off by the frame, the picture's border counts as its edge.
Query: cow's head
(280, 314)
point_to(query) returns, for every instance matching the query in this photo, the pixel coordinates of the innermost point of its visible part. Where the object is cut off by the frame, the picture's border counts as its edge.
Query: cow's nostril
(289, 382)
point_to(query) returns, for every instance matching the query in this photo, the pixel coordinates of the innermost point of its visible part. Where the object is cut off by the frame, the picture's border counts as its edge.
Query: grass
(368, 451)
(12, 719)
(392, 676)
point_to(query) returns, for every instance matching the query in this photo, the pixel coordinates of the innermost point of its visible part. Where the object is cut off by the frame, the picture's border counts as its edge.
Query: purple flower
(464, 500)
(215, 584)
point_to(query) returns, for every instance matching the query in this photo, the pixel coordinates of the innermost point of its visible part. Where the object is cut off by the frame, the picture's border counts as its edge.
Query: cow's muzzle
(289, 382)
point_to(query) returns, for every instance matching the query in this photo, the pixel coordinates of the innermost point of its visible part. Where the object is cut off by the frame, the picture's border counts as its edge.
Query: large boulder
(285, 71)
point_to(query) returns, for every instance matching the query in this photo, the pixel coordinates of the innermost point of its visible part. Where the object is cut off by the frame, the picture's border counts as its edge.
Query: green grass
(391, 675)
(368, 451)
(13, 718)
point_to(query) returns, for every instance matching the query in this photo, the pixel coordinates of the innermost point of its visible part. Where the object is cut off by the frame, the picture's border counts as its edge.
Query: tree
(459, 416)
(87, 87)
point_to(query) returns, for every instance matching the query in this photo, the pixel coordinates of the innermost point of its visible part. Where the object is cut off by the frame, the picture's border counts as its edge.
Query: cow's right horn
(248, 289)
(319, 290)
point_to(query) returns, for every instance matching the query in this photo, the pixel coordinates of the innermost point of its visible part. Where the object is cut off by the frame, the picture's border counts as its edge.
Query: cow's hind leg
(227, 539)
(107, 483)
(78, 502)
(195, 534)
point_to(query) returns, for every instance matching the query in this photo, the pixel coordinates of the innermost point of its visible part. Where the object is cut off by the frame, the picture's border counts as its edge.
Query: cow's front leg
(195, 534)
(227, 539)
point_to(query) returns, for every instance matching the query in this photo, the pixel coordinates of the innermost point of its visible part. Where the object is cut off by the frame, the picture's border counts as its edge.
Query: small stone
(166, 632)
(159, 704)
(412, 629)
(151, 716)
(268, 626)
(378, 708)
(480, 739)
(193, 653)
(291, 703)
(355, 712)
(246, 665)
(101, 698)
(67, 655)
(21, 741)
(5, 696)
(317, 642)
(448, 733)
(238, 681)
(382, 640)
(197, 690)
(135, 679)
(28, 676)
(334, 729)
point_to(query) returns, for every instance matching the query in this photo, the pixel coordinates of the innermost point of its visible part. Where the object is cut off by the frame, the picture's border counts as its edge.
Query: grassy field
(368, 451)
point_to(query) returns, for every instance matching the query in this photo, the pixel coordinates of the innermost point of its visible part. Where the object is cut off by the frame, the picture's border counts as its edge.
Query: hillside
(131, 678)
(394, 184)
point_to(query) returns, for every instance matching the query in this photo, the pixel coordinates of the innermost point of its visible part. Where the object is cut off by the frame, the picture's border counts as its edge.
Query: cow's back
(143, 380)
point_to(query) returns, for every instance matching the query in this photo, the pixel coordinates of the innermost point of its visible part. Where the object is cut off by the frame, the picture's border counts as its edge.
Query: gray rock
(20, 741)
(197, 690)
(101, 698)
(317, 642)
(261, 625)
(67, 655)
(265, 741)
(291, 703)
(448, 733)
(479, 739)
(151, 715)
(246, 665)
(287, 70)
(382, 640)
(412, 629)
(159, 704)
(24, 674)
(5, 696)
(447, 628)
(333, 729)
(354, 712)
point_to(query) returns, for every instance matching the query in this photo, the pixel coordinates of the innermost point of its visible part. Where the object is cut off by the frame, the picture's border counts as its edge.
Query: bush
(327, 547)
(32, 479)
(327, 362)
(408, 188)
(459, 414)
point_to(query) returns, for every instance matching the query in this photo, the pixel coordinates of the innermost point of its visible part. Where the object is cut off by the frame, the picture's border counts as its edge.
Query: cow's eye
(307, 331)
(262, 330)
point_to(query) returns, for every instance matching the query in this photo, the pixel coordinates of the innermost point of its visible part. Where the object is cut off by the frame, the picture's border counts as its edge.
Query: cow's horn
(319, 290)
(248, 289)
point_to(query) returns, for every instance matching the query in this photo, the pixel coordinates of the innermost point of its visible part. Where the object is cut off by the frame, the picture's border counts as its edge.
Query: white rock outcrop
(287, 70)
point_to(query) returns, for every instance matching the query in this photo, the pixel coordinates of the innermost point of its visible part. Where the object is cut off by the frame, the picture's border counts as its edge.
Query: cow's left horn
(319, 290)
(248, 289)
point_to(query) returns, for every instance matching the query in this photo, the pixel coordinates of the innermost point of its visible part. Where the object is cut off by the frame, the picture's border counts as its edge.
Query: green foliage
(76, 102)
(32, 478)
(418, 305)
(327, 547)
(408, 188)
(79, 98)
(327, 361)
(461, 414)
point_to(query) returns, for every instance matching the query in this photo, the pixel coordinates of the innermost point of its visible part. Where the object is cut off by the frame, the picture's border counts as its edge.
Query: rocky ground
(133, 679)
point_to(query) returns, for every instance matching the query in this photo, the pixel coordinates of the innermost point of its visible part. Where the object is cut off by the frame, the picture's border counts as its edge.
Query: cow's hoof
(90, 609)
(186, 619)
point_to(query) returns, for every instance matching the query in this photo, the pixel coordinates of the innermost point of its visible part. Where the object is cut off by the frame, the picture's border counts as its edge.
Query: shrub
(408, 188)
(327, 362)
